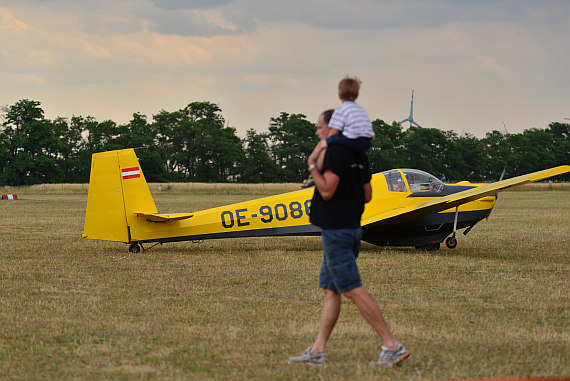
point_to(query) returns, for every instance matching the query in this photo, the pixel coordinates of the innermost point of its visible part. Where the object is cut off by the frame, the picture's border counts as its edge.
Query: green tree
(258, 166)
(78, 164)
(170, 137)
(139, 134)
(560, 148)
(467, 160)
(425, 149)
(497, 152)
(192, 144)
(292, 140)
(200, 147)
(386, 151)
(32, 146)
(101, 136)
(73, 159)
(530, 151)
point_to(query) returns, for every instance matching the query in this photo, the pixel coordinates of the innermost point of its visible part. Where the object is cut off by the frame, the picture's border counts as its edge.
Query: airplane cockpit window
(420, 181)
(395, 181)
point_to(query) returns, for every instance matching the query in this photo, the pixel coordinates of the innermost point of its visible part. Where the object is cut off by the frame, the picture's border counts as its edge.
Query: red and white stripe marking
(131, 173)
(9, 197)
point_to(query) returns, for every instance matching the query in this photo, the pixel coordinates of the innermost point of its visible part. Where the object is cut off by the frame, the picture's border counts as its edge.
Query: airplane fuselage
(288, 214)
(409, 207)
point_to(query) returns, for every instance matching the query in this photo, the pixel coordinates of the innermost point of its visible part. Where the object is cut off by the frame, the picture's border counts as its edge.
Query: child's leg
(360, 144)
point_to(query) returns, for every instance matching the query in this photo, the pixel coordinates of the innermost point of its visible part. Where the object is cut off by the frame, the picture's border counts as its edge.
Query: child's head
(348, 88)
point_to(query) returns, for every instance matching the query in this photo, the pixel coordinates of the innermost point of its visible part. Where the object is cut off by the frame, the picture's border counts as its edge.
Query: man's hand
(313, 157)
(322, 145)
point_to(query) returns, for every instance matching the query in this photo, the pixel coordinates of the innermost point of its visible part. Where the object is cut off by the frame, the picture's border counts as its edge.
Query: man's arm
(367, 192)
(326, 183)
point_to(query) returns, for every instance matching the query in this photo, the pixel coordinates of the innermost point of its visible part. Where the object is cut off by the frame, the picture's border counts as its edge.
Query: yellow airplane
(409, 207)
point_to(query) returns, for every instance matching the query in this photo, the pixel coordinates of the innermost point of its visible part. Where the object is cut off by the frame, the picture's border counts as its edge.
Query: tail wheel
(135, 248)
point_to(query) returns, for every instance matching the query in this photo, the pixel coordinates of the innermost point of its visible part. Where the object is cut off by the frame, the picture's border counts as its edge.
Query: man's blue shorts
(339, 272)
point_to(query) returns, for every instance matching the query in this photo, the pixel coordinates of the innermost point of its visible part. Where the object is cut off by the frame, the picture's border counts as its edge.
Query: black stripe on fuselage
(446, 191)
(281, 231)
(428, 230)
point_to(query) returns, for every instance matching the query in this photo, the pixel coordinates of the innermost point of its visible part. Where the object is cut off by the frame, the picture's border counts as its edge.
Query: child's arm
(322, 146)
(316, 154)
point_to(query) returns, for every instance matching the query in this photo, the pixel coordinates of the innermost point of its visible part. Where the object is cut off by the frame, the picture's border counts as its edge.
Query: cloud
(264, 80)
(95, 51)
(195, 23)
(493, 66)
(194, 17)
(41, 57)
(190, 4)
(28, 79)
(8, 21)
(148, 48)
(472, 63)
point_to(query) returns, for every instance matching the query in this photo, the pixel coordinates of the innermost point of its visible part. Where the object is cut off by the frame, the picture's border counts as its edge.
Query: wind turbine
(506, 131)
(411, 117)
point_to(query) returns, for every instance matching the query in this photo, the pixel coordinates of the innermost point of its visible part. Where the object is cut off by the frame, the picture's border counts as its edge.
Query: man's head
(323, 129)
(348, 88)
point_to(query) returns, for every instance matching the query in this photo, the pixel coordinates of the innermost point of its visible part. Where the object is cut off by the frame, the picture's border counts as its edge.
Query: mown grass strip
(497, 305)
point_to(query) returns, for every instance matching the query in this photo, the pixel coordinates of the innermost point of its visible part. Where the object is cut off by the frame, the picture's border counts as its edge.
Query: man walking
(342, 188)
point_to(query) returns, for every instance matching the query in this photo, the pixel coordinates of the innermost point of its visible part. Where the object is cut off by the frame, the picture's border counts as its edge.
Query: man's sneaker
(308, 358)
(391, 357)
(308, 182)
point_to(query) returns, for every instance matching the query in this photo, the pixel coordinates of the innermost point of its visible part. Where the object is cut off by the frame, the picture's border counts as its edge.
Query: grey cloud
(186, 24)
(378, 14)
(177, 16)
(190, 4)
(189, 22)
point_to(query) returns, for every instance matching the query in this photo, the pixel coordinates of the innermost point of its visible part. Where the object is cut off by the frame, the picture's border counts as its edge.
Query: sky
(475, 65)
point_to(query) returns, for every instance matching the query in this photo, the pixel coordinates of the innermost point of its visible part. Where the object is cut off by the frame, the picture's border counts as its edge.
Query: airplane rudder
(137, 196)
(105, 212)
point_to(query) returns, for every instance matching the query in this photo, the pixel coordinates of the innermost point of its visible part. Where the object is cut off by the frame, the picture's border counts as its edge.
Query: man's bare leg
(371, 312)
(329, 316)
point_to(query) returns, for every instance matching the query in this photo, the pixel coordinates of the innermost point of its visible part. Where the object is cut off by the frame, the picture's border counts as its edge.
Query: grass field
(228, 188)
(497, 305)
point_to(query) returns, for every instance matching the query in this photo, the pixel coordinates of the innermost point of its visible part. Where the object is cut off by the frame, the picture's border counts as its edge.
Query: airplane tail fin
(117, 190)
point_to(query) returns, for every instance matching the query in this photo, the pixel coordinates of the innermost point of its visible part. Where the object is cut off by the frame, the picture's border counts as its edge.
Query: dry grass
(159, 188)
(497, 305)
(541, 187)
(228, 188)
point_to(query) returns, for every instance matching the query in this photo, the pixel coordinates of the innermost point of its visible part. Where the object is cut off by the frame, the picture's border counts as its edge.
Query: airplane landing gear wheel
(451, 242)
(135, 248)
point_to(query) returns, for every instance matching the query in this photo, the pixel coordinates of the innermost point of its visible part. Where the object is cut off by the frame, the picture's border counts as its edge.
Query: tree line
(193, 144)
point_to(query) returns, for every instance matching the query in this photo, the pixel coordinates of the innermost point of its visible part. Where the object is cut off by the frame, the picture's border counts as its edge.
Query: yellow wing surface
(408, 213)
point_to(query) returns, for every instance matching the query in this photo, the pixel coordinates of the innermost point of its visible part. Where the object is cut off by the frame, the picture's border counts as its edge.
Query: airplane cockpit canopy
(418, 181)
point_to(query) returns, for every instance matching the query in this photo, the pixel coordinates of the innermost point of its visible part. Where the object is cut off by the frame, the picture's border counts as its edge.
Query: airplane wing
(409, 213)
(156, 217)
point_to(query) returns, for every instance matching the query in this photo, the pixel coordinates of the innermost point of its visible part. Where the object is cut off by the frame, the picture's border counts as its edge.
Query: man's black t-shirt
(344, 209)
